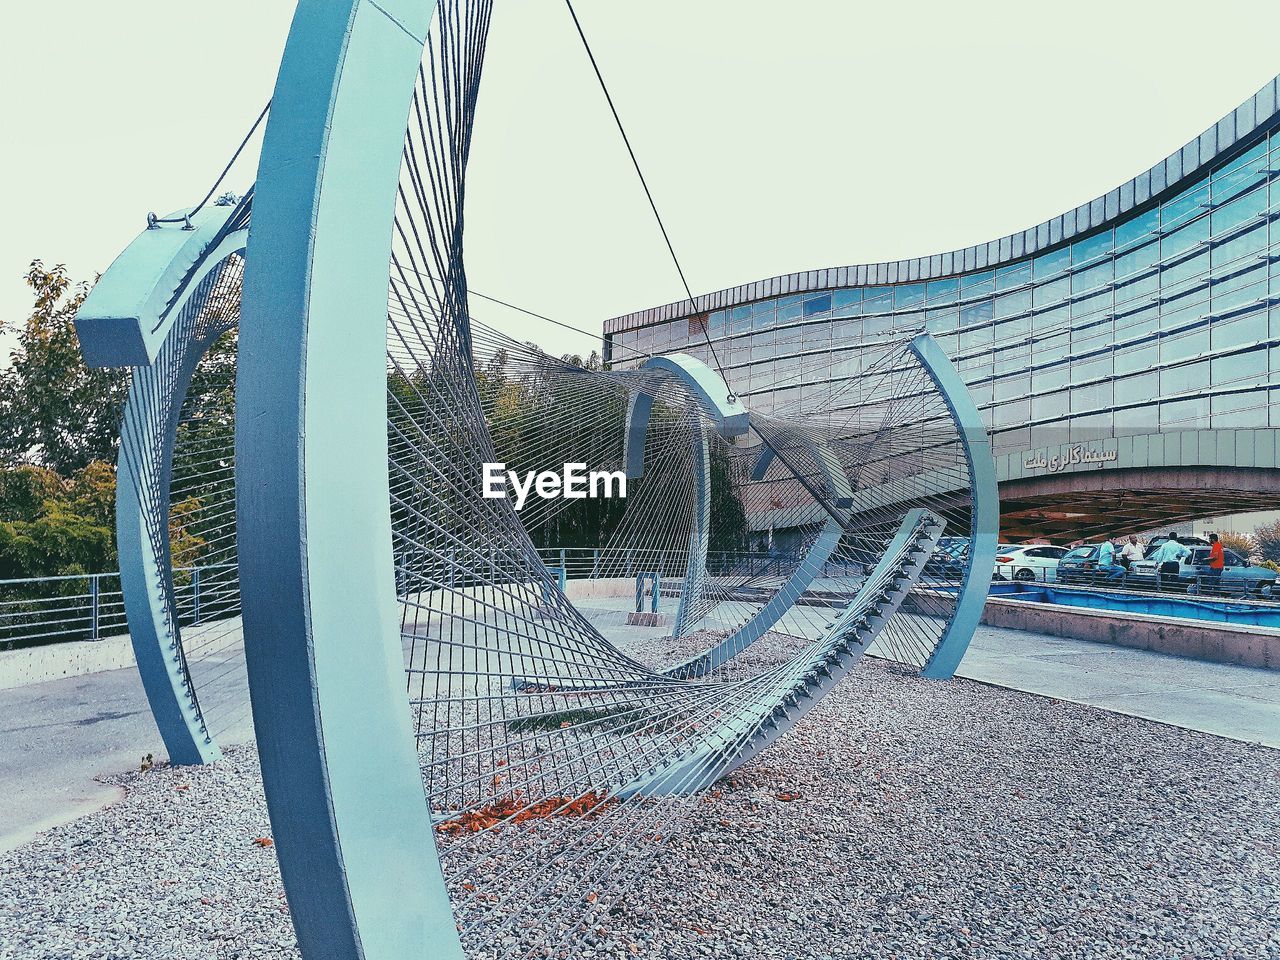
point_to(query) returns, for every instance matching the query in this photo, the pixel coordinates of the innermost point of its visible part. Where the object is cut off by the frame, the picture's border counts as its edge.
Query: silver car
(1194, 576)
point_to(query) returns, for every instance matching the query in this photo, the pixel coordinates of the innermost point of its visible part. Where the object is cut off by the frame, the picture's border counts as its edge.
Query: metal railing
(42, 610)
(35, 611)
(582, 563)
(208, 593)
(1194, 581)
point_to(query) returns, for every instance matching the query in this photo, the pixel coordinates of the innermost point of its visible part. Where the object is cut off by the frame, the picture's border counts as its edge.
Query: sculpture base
(646, 620)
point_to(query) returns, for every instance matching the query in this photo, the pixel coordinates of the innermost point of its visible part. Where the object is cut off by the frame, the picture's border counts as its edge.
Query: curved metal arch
(342, 778)
(704, 384)
(129, 314)
(144, 469)
(700, 534)
(751, 728)
(801, 578)
(984, 531)
(775, 609)
(142, 314)
(339, 767)
(731, 419)
(984, 519)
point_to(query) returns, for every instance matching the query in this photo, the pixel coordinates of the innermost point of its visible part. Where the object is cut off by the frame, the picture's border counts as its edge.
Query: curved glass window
(1163, 320)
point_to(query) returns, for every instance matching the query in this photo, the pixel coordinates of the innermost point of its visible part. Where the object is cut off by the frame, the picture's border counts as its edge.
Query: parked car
(1154, 543)
(1238, 574)
(948, 559)
(1028, 562)
(1079, 565)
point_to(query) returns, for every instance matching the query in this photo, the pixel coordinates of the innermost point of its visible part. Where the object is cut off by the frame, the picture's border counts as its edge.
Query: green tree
(202, 486)
(538, 420)
(25, 489)
(55, 411)
(1241, 543)
(729, 530)
(52, 527)
(186, 546)
(1267, 539)
(573, 424)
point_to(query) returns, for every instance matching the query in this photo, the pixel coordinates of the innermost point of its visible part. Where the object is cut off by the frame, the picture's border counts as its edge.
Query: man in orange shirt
(1213, 579)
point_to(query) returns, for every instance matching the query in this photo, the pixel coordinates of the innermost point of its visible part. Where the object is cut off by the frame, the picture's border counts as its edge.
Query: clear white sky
(776, 136)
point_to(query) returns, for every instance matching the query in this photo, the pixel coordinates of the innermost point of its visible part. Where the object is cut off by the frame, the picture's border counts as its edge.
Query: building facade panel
(1151, 310)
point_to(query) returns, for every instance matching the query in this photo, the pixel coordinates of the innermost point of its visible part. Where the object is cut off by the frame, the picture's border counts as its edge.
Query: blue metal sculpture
(984, 521)
(131, 310)
(725, 411)
(151, 311)
(351, 824)
(712, 400)
(740, 736)
(399, 758)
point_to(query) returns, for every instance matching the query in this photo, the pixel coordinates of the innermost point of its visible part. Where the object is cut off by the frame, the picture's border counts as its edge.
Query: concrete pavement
(1242, 703)
(57, 737)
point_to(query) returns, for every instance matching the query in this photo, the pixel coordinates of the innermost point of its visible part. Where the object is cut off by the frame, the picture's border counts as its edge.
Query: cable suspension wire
(635, 163)
(262, 115)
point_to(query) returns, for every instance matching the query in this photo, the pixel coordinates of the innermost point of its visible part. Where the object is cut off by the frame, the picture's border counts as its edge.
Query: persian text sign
(1076, 453)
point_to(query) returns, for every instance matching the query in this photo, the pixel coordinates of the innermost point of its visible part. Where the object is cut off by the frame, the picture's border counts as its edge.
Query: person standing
(1168, 559)
(1217, 561)
(1131, 552)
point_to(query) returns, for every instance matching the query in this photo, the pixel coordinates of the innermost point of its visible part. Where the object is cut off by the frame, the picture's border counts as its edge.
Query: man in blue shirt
(1168, 559)
(1107, 561)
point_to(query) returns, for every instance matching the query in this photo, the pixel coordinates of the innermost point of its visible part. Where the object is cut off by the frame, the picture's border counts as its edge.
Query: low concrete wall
(74, 659)
(1247, 646)
(602, 588)
(18, 668)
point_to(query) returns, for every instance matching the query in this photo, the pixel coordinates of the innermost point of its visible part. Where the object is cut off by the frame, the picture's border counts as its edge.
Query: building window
(1241, 410)
(815, 306)
(1192, 414)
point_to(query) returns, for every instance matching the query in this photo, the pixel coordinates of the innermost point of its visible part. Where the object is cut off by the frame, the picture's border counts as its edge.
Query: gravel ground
(903, 819)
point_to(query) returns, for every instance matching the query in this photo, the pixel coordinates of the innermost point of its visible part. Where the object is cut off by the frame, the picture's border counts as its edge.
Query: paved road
(56, 737)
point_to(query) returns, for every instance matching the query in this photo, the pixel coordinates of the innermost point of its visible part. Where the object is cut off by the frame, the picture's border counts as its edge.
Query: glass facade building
(1153, 311)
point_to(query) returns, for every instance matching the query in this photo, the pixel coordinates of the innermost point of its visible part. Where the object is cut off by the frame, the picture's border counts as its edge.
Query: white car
(1029, 562)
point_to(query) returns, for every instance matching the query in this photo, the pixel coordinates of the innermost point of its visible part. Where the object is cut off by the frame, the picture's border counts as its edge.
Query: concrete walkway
(1242, 703)
(56, 737)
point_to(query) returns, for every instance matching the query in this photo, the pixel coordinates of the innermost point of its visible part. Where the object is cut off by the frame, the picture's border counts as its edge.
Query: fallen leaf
(517, 810)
